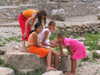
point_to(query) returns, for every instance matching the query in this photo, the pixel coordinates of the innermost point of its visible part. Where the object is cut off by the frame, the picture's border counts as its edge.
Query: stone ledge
(30, 62)
(53, 73)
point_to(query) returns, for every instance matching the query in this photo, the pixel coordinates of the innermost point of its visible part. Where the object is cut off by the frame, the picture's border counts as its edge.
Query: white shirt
(47, 39)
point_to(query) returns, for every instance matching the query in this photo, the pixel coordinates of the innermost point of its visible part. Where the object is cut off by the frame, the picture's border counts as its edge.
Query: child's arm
(44, 39)
(33, 19)
(35, 36)
(61, 50)
(26, 24)
(60, 46)
(70, 50)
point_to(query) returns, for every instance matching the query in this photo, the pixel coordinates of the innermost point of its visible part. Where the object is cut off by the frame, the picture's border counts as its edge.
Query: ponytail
(36, 26)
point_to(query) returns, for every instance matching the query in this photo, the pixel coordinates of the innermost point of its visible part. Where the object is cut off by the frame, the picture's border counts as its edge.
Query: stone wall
(75, 0)
(10, 14)
(18, 2)
(12, 8)
(80, 29)
(73, 9)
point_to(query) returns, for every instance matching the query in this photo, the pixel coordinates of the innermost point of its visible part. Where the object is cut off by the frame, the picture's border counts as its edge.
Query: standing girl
(75, 48)
(24, 23)
(34, 47)
(45, 35)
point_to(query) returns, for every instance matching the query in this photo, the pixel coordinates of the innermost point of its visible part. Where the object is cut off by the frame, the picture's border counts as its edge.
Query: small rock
(6, 71)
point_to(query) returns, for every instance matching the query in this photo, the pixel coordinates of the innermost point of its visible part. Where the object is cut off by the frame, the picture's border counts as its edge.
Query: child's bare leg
(49, 62)
(56, 54)
(23, 47)
(73, 66)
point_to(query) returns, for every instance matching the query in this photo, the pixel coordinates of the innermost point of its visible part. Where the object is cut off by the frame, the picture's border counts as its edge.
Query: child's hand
(52, 45)
(71, 57)
(25, 34)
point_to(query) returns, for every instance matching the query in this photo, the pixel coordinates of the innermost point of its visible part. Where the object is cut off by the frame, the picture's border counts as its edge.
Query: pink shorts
(22, 21)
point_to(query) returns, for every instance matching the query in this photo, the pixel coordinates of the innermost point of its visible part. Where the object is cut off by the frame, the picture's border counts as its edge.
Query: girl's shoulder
(34, 33)
(67, 39)
(45, 30)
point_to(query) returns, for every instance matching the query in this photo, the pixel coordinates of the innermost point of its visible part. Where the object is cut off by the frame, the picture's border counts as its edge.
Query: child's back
(74, 43)
(47, 39)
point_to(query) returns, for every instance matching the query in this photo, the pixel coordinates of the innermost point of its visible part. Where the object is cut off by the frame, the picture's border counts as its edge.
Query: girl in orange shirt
(34, 47)
(24, 23)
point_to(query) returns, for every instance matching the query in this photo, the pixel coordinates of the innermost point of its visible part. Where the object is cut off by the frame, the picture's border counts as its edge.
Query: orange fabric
(31, 39)
(42, 52)
(28, 13)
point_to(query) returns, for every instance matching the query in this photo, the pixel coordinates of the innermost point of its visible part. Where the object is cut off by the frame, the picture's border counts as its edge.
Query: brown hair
(40, 14)
(61, 34)
(51, 22)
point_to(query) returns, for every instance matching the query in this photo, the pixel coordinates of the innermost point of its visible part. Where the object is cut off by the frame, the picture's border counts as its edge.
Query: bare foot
(24, 50)
(50, 68)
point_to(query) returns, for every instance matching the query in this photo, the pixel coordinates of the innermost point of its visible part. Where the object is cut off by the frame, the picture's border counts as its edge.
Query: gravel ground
(91, 67)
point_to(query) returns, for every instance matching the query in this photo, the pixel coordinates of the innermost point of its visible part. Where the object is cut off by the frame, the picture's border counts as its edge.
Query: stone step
(24, 60)
(10, 13)
(13, 24)
(24, 71)
(19, 2)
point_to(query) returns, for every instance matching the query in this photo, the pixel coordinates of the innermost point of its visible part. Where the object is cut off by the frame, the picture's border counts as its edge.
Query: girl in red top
(24, 23)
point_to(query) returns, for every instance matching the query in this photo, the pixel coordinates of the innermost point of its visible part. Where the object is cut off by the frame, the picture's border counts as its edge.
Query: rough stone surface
(58, 14)
(89, 54)
(6, 71)
(64, 64)
(53, 73)
(24, 60)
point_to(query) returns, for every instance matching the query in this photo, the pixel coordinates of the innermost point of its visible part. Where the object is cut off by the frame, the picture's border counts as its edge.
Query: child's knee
(50, 51)
(57, 54)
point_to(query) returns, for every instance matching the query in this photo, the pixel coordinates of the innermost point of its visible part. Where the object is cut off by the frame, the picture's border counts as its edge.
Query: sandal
(63, 56)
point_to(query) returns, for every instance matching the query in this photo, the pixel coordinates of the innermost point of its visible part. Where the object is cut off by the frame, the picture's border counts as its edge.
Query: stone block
(24, 60)
(53, 73)
(64, 64)
(6, 71)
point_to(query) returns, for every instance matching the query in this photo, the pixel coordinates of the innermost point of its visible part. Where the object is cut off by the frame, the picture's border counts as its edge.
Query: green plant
(80, 65)
(92, 60)
(57, 49)
(2, 44)
(76, 36)
(16, 38)
(91, 40)
(1, 62)
(14, 68)
(86, 58)
(53, 36)
(36, 72)
(95, 55)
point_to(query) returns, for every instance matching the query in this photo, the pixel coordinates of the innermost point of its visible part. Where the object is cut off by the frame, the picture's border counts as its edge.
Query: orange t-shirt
(30, 39)
(28, 13)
